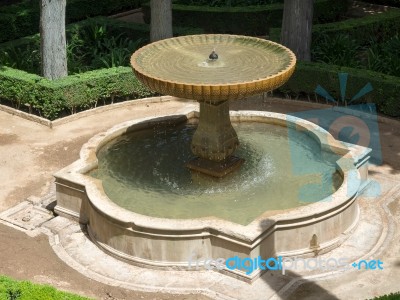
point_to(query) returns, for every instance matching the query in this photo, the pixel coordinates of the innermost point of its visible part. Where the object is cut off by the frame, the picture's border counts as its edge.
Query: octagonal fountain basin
(295, 194)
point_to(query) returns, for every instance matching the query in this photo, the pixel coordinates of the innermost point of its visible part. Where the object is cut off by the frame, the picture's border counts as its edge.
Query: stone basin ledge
(170, 243)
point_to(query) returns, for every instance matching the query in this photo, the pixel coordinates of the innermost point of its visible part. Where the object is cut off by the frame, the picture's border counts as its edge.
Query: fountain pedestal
(244, 66)
(214, 141)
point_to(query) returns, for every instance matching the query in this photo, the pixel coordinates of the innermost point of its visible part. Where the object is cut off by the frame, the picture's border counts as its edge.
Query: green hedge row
(395, 3)
(225, 3)
(76, 92)
(247, 20)
(50, 99)
(385, 94)
(24, 290)
(379, 27)
(23, 19)
(130, 30)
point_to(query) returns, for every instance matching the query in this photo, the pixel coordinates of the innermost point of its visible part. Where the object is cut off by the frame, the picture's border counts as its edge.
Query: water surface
(144, 172)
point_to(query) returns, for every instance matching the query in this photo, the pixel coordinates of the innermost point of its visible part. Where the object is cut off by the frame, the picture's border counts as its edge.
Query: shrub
(377, 28)
(343, 51)
(340, 50)
(91, 44)
(371, 42)
(52, 99)
(247, 20)
(395, 3)
(384, 57)
(391, 296)
(307, 76)
(227, 3)
(25, 57)
(25, 290)
(80, 9)
(22, 19)
(19, 20)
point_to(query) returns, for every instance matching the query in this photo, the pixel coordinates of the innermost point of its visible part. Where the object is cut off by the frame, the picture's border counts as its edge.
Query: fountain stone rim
(218, 91)
(352, 155)
(129, 236)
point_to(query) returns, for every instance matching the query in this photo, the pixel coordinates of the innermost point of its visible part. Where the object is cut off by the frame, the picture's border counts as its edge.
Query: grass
(391, 296)
(24, 290)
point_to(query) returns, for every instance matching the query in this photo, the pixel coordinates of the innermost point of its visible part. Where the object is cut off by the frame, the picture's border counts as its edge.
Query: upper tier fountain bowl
(182, 67)
(245, 66)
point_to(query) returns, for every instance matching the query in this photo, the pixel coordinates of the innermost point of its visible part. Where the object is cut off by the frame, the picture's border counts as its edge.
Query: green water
(144, 172)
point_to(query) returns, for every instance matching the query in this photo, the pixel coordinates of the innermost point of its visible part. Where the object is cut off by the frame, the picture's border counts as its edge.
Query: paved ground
(31, 153)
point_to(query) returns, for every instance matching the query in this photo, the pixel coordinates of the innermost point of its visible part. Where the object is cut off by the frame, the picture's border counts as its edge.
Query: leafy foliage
(237, 17)
(25, 290)
(308, 76)
(385, 57)
(370, 42)
(391, 296)
(376, 28)
(52, 99)
(26, 57)
(98, 42)
(228, 3)
(90, 47)
(395, 3)
(22, 18)
(340, 50)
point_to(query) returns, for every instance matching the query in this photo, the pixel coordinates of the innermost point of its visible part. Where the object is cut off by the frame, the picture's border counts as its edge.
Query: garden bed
(98, 50)
(23, 18)
(246, 20)
(370, 43)
(307, 76)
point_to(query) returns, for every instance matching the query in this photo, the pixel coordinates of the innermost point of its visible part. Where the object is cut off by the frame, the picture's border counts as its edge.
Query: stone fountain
(212, 69)
(189, 67)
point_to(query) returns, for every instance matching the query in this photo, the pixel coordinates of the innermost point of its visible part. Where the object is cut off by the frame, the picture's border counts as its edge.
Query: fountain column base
(214, 141)
(215, 168)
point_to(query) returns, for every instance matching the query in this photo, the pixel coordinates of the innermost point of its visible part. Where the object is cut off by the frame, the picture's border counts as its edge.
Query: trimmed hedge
(52, 99)
(131, 30)
(82, 91)
(391, 296)
(19, 20)
(226, 3)
(379, 27)
(23, 19)
(81, 9)
(307, 76)
(70, 94)
(247, 20)
(395, 3)
(24, 290)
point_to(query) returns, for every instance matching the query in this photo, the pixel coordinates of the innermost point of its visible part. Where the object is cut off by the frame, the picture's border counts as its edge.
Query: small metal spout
(213, 55)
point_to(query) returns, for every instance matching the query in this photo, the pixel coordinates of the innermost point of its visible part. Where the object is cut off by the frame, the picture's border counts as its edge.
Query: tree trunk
(52, 39)
(296, 27)
(161, 19)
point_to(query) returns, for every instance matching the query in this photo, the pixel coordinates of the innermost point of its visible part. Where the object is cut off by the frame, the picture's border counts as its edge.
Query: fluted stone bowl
(181, 66)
